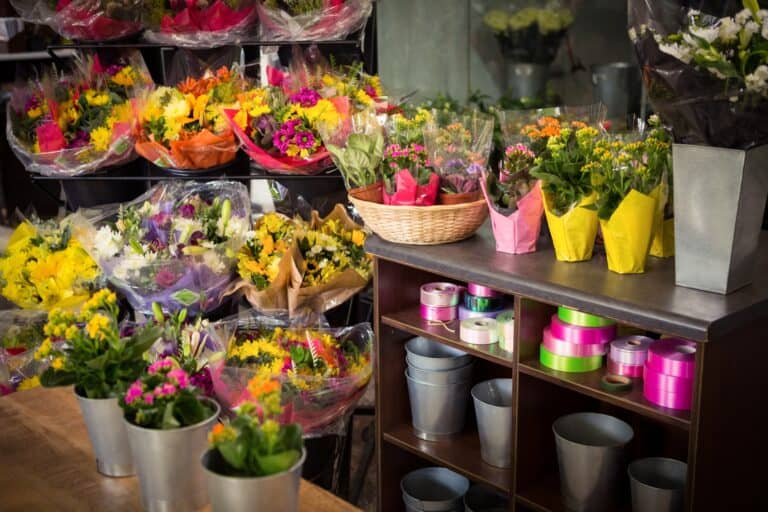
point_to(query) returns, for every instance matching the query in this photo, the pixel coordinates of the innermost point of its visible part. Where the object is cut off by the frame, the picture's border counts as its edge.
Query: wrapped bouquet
(21, 333)
(199, 23)
(312, 20)
(84, 20)
(70, 125)
(184, 127)
(322, 372)
(176, 245)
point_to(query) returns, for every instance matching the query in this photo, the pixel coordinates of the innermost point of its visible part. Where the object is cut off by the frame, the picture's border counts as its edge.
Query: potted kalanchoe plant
(89, 351)
(168, 420)
(254, 462)
(514, 200)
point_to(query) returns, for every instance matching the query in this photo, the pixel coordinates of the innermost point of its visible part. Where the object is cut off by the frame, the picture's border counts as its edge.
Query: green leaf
(234, 452)
(169, 420)
(186, 297)
(51, 378)
(278, 462)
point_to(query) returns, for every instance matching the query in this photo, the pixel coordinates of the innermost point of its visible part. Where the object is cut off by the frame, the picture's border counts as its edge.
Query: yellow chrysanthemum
(30, 383)
(96, 98)
(34, 113)
(101, 138)
(124, 77)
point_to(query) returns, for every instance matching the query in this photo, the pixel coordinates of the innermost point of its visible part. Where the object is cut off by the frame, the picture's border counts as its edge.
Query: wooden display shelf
(588, 383)
(544, 496)
(409, 320)
(460, 453)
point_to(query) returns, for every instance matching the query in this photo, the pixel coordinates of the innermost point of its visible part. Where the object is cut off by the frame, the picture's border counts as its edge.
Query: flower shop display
(530, 33)
(515, 202)
(253, 461)
(458, 150)
(44, 267)
(21, 332)
(88, 350)
(562, 150)
(175, 245)
(322, 372)
(184, 127)
(75, 124)
(707, 77)
(84, 20)
(199, 23)
(312, 20)
(168, 421)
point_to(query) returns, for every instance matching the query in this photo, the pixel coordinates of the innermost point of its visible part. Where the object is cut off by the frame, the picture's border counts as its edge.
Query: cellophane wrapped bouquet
(75, 124)
(312, 20)
(705, 66)
(322, 371)
(530, 31)
(199, 23)
(84, 20)
(21, 333)
(45, 267)
(176, 245)
(184, 127)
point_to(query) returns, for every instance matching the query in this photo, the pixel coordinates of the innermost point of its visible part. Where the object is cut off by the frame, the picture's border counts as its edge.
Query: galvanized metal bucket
(106, 430)
(493, 409)
(167, 462)
(617, 85)
(590, 456)
(434, 490)
(658, 484)
(719, 203)
(482, 499)
(427, 354)
(461, 374)
(437, 410)
(526, 80)
(274, 493)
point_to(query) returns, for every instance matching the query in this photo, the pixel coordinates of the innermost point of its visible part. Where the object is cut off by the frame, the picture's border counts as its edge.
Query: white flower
(129, 266)
(709, 34)
(762, 14)
(728, 30)
(632, 34)
(213, 261)
(758, 81)
(764, 31)
(751, 28)
(186, 227)
(678, 51)
(107, 243)
(236, 228)
(743, 16)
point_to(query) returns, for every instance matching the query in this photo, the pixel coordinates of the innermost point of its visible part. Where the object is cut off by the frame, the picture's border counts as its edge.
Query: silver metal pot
(426, 354)
(493, 409)
(482, 499)
(434, 490)
(106, 430)
(658, 484)
(461, 374)
(526, 80)
(437, 410)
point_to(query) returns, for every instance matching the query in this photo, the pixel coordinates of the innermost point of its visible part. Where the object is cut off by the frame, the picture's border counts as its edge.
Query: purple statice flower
(165, 278)
(32, 102)
(474, 169)
(202, 380)
(306, 97)
(80, 140)
(195, 237)
(187, 211)
(305, 140)
(114, 69)
(127, 330)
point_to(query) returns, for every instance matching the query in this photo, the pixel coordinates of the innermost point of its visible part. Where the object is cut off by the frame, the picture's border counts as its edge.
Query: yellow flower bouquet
(44, 267)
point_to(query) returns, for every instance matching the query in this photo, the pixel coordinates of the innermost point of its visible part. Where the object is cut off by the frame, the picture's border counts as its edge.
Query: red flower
(50, 137)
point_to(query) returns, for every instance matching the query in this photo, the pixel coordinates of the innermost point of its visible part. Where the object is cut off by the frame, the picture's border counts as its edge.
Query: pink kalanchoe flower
(134, 392)
(165, 389)
(160, 365)
(180, 377)
(149, 398)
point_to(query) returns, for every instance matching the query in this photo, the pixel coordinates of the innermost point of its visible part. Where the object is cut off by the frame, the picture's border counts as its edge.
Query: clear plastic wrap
(357, 150)
(76, 124)
(705, 68)
(175, 245)
(84, 20)
(323, 372)
(199, 24)
(21, 332)
(336, 19)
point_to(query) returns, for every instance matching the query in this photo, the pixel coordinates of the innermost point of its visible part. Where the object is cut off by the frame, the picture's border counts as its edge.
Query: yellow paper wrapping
(663, 244)
(573, 233)
(628, 233)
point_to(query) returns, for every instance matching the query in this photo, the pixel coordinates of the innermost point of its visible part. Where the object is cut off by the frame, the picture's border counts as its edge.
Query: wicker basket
(423, 225)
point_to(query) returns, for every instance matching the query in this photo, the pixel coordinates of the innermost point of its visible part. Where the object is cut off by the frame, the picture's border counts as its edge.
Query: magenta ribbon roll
(565, 348)
(437, 314)
(440, 294)
(581, 335)
(465, 313)
(631, 350)
(479, 290)
(626, 370)
(681, 399)
(673, 356)
(667, 383)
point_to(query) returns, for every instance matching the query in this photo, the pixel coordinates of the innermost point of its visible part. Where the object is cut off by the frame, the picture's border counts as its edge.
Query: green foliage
(359, 161)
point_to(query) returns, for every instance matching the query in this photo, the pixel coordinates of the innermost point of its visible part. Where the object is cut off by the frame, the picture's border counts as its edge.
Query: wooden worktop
(46, 462)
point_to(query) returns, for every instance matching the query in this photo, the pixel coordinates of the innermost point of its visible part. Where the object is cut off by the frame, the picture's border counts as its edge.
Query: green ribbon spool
(615, 383)
(482, 304)
(575, 317)
(568, 364)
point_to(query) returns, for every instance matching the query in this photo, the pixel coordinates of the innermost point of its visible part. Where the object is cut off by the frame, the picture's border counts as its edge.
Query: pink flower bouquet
(199, 23)
(302, 20)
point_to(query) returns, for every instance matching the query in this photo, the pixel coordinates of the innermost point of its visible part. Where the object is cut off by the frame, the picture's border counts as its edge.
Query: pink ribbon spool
(565, 348)
(673, 356)
(631, 350)
(667, 383)
(479, 290)
(581, 335)
(437, 314)
(465, 313)
(626, 370)
(680, 399)
(440, 294)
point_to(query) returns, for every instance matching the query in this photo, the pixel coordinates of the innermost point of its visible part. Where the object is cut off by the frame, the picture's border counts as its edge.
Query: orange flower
(259, 387)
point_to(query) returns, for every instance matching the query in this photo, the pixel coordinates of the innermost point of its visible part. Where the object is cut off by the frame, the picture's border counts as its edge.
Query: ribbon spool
(565, 348)
(672, 356)
(615, 383)
(482, 304)
(568, 364)
(626, 370)
(581, 335)
(465, 313)
(505, 322)
(576, 317)
(479, 290)
(440, 294)
(681, 399)
(630, 350)
(436, 314)
(479, 331)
